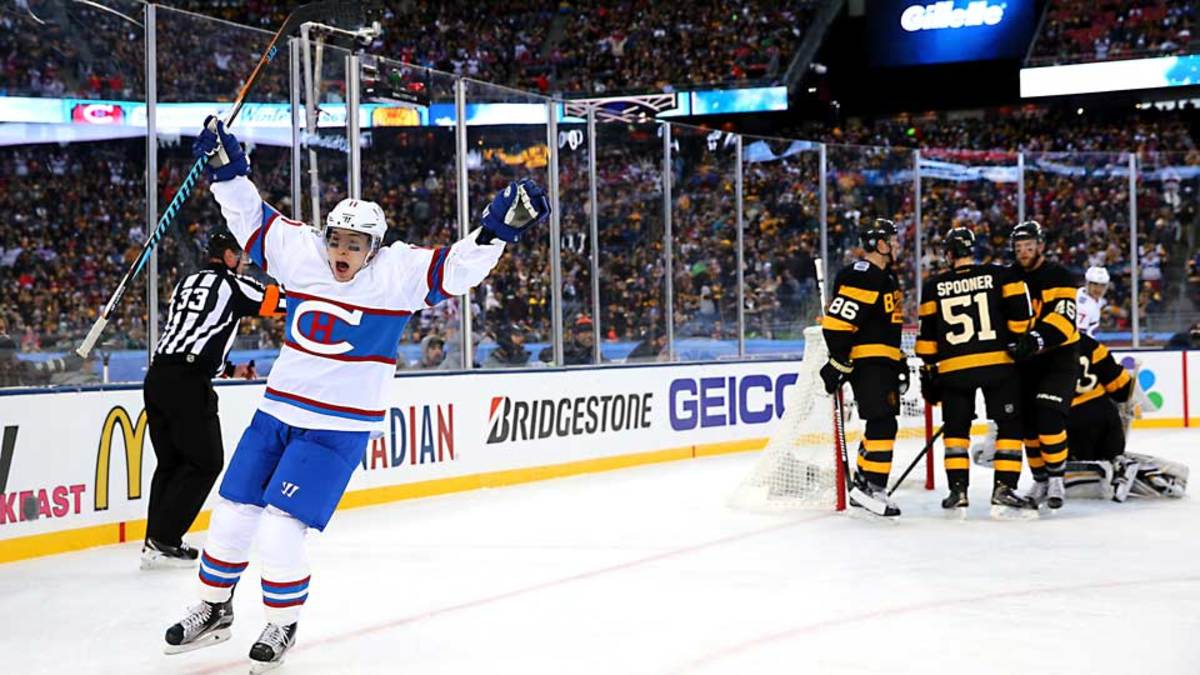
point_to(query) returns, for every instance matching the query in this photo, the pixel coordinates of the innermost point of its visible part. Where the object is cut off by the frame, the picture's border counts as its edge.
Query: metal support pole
(594, 234)
(311, 123)
(556, 304)
(918, 231)
(353, 79)
(464, 217)
(824, 214)
(1020, 187)
(668, 243)
(294, 99)
(151, 34)
(1133, 250)
(738, 194)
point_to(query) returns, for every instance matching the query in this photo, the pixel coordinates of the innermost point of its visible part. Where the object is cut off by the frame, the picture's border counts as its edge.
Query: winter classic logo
(528, 420)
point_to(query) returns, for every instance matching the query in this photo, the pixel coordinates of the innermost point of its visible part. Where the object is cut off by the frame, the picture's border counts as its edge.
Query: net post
(928, 447)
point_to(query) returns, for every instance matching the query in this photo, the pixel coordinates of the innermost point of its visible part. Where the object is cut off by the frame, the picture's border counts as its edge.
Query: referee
(181, 406)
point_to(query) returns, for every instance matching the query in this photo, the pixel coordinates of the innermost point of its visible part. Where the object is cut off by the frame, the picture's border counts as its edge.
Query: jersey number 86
(847, 309)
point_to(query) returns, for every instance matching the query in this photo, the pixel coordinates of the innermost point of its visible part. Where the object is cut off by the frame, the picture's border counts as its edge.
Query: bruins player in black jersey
(1047, 354)
(969, 315)
(1095, 432)
(862, 330)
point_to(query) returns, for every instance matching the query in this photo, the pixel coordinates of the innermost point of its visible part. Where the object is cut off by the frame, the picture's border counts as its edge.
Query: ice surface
(647, 571)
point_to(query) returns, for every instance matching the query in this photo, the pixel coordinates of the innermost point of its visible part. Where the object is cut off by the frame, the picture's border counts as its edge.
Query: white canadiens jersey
(1088, 311)
(340, 344)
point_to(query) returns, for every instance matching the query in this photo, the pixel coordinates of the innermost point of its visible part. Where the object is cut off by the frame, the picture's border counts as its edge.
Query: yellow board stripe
(870, 351)
(1060, 293)
(927, 308)
(973, 361)
(926, 347)
(1018, 326)
(860, 294)
(1053, 439)
(830, 322)
(1014, 288)
(958, 463)
(1012, 465)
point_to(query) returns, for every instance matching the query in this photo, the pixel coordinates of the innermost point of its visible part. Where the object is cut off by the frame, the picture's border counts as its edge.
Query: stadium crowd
(1075, 31)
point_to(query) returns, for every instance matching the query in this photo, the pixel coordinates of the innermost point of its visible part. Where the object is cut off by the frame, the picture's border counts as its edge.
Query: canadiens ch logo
(319, 338)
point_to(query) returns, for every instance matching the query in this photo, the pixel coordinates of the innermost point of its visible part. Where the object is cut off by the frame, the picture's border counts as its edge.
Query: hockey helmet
(358, 215)
(1096, 275)
(879, 230)
(221, 241)
(960, 242)
(1029, 229)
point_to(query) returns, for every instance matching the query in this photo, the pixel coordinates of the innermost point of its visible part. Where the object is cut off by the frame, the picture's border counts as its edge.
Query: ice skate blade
(957, 513)
(1002, 512)
(164, 563)
(257, 667)
(861, 500)
(216, 637)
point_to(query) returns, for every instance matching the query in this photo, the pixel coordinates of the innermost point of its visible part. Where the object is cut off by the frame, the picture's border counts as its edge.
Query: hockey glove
(833, 374)
(226, 160)
(514, 210)
(902, 377)
(1026, 346)
(931, 389)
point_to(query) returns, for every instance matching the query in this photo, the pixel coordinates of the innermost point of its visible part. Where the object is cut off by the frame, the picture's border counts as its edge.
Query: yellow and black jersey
(1052, 291)
(865, 316)
(1100, 374)
(968, 316)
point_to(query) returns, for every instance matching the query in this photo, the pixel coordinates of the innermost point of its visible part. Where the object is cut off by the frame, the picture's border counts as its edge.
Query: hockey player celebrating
(1047, 353)
(1089, 300)
(968, 315)
(862, 330)
(349, 299)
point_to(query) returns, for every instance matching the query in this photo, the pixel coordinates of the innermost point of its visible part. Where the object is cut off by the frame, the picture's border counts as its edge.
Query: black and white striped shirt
(204, 313)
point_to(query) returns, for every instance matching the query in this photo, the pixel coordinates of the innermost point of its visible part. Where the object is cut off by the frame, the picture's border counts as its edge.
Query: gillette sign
(905, 33)
(940, 15)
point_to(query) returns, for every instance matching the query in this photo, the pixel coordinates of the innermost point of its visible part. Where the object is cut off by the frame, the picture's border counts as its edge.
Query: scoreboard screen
(916, 32)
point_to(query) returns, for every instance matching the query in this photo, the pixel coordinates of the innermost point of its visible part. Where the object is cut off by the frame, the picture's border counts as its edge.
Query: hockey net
(799, 467)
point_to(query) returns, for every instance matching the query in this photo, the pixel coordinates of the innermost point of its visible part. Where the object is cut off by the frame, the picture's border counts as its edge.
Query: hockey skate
(872, 499)
(956, 502)
(205, 625)
(1037, 494)
(158, 556)
(1008, 505)
(267, 653)
(1126, 475)
(1055, 492)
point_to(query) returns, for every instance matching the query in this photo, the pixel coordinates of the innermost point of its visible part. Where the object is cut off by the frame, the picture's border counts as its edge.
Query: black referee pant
(181, 410)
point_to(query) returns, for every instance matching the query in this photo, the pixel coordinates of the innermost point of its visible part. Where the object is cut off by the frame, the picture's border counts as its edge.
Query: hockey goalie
(1107, 399)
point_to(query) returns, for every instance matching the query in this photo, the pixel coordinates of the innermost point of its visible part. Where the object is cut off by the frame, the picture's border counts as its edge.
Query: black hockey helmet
(960, 242)
(879, 229)
(1029, 229)
(221, 241)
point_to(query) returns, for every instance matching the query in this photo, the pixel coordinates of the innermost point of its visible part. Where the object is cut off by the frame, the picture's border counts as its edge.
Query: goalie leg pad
(1088, 479)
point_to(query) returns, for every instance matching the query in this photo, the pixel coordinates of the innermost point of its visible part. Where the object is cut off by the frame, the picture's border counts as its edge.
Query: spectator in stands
(510, 349)
(433, 353)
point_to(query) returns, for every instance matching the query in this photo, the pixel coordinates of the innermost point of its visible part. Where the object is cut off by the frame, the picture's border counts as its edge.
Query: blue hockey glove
(514, 210)
(225, 157)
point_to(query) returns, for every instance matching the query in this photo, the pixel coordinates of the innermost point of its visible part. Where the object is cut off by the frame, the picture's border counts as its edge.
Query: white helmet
(358, 215)
(1096, 275)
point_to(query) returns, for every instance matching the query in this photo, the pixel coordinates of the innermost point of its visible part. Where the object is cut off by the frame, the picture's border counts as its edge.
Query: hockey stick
(839, 407)
(916, 460)
(330, 9)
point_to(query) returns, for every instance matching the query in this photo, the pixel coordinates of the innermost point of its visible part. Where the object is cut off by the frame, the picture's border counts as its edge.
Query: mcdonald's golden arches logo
(134, 435)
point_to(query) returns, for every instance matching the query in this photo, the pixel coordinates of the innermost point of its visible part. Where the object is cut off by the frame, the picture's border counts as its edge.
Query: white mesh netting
(798, 467)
